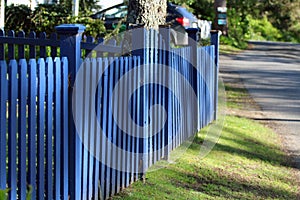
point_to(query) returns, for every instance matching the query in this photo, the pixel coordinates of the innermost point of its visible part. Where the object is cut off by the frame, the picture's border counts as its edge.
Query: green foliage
(29, 193)
(46, 16)
(262, 29)
(252, 19)
(4, 194)
(94, 27)
(17, 17)
(267, 20)
(85, 6)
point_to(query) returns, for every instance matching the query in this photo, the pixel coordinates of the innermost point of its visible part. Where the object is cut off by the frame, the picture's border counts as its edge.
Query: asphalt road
(271, 73)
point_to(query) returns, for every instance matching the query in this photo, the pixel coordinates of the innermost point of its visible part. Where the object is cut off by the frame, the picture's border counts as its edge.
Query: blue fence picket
(32, 94)
(22, 128)
(137, 118)
(41, 129)
(97, 190)
(53, 49)
(11, 47)
(114, 78)
(64, 176)
(126, 138)
(3, 121)
(110, 122)
(32, 50)
(92, 134)
(85, 133)
(49, 128)
(130, 147)
(102, 116)
(57, 127)
(12, 129)
(21, 47)
(42, 47)
(118, 107)
(122, 137)
(104, 104)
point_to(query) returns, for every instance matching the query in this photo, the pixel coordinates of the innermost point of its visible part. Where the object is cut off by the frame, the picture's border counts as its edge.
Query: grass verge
(246, 163)
(228, 49)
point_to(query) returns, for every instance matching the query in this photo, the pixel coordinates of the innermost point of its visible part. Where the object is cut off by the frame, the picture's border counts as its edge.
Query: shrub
(262, 29)
(17, 18)
(45, 17)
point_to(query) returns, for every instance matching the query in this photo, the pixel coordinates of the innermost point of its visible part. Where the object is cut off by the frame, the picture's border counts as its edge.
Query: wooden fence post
(70, 39)
(214, 40)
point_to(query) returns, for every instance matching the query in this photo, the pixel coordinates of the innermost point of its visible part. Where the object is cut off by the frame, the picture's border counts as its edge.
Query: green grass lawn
(246, 163)
(227, 49)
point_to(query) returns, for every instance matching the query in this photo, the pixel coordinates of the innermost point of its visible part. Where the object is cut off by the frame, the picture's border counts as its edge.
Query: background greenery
(276, 20)
(46, 16)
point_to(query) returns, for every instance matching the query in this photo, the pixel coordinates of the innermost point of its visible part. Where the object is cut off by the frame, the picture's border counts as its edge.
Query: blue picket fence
(32, 126)
(67, 133)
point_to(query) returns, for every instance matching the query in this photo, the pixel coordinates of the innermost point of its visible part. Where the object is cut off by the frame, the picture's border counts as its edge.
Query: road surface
(271, 73)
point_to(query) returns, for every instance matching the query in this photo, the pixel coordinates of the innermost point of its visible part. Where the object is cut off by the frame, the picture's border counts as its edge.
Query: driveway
(271, 73)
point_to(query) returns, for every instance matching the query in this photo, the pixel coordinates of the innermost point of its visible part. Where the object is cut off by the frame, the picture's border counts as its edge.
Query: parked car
(177, 16)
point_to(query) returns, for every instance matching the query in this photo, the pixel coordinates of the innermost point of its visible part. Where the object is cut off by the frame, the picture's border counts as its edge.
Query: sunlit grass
(246, 163)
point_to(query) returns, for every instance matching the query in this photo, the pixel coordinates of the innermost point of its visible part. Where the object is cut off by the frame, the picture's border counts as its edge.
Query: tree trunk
(147, 13)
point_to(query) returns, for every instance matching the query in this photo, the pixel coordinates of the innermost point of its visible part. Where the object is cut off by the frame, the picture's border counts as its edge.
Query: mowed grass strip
(246, 163)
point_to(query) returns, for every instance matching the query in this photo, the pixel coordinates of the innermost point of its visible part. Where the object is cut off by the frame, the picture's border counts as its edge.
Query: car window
(118, 12)
(184, 12)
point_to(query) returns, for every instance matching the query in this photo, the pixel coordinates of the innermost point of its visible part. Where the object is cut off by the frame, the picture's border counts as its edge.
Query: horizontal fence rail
(89, 123)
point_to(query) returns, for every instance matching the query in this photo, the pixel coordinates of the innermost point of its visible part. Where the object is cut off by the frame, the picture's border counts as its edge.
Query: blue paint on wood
(12, 129)
(42, 47)
(41, 129)
(11, 47)
(49, 128)
(3, 126)
(70, 39)
(57, 127)
(97, 190)
(92, 133)
(32, 121)
(22, 128)
(104, 88)
(21, 50)
(64, 129)
(32, 50)
(85, 131)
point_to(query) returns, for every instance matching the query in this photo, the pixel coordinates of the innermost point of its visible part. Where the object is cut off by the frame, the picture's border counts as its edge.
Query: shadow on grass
(216, 184)
(249, 148)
